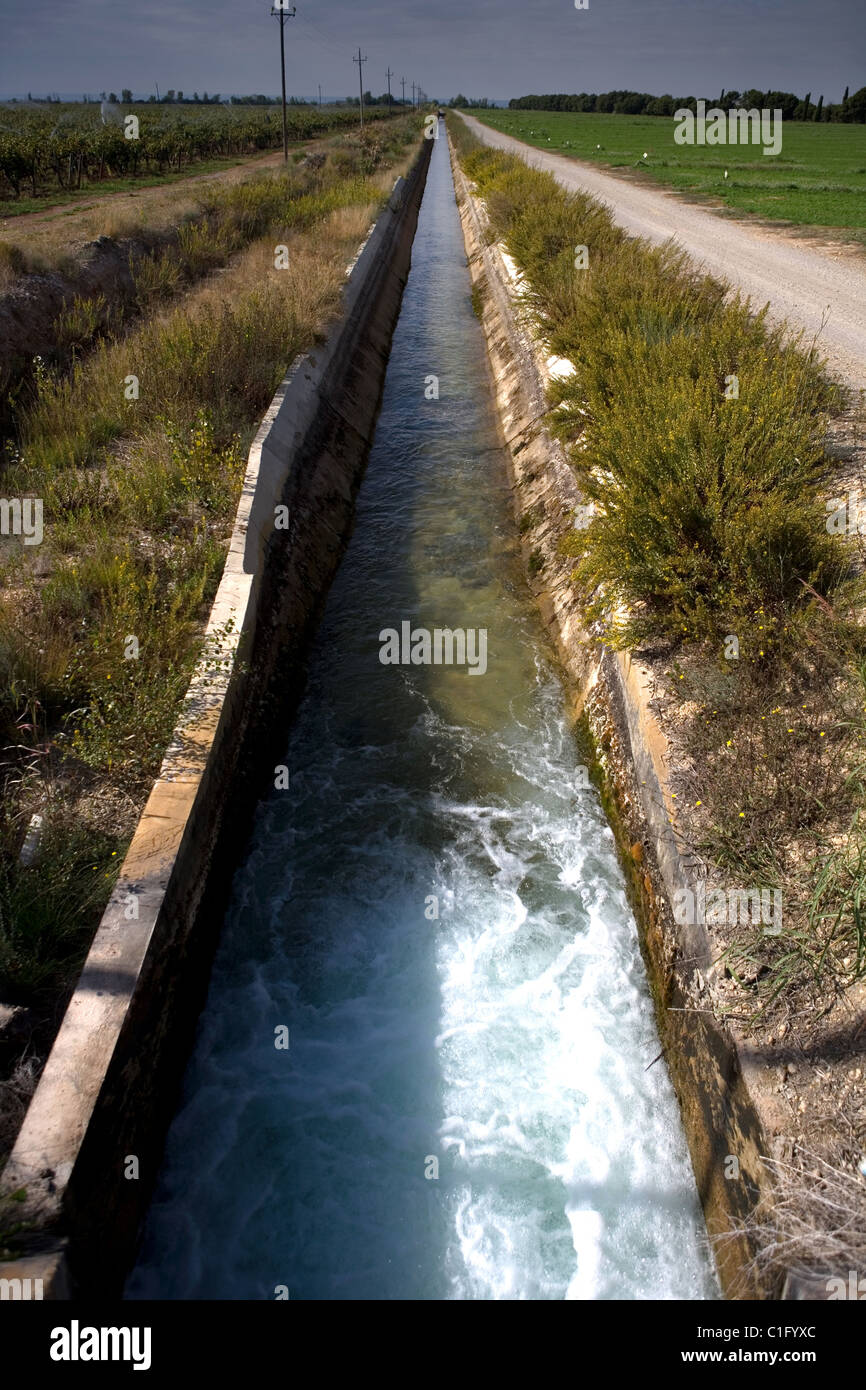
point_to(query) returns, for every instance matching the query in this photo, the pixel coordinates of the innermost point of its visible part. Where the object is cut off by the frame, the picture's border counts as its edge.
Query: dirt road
(86, 203)
(820, 291)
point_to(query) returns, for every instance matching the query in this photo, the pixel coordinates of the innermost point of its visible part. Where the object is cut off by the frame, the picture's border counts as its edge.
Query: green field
(817, 180)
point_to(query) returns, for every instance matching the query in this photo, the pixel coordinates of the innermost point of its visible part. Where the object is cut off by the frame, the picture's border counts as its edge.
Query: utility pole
(403, 80)
(389, 75)
(413, 95)
(361, 61)
(282, 9)
(320, 93)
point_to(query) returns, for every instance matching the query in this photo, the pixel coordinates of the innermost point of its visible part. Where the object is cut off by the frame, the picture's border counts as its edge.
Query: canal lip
(724, 1106)
(109, 1087)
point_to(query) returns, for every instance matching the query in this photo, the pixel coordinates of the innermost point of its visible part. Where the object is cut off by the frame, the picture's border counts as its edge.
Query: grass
(817, 180)
(706, 508)
(87, 414)
(49, 917)
(139, 497)
(809, 1224)
(180, 242)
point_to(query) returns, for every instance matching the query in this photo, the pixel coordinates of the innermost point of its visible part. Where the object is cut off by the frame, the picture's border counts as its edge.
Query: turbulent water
(435, 911)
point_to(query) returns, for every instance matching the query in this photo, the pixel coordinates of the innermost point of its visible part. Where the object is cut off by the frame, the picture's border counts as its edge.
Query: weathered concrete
(109, 1087)
(610, 693)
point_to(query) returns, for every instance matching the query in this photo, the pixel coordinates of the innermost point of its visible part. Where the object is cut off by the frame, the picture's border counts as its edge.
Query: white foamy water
(505, 1041)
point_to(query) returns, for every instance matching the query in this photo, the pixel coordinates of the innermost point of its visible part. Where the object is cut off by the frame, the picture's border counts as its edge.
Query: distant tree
(180, 96)
(125, 95)
(844, 96)
(854, 109)
(819, 107)
(631, 104)
(791, 106)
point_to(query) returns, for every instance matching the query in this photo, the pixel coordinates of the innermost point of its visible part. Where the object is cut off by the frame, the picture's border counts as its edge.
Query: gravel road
(820, 291)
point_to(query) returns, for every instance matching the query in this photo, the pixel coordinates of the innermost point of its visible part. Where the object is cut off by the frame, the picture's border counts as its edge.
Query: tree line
(479, 103)
(849, 109)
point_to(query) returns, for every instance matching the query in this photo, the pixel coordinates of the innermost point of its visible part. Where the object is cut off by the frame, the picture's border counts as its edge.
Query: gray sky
(495, 48)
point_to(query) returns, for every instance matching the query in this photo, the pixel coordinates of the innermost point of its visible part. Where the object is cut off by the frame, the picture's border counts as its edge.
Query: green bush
(706, 491)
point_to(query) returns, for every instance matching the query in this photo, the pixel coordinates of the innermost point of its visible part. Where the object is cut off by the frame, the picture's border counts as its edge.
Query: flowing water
(435, 911)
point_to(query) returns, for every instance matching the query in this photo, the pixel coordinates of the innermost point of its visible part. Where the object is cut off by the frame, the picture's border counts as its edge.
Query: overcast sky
(494, 48)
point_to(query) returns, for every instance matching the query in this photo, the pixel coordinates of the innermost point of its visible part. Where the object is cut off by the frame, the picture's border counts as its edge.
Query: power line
(361, 61)
(313, 34)
(282, 9)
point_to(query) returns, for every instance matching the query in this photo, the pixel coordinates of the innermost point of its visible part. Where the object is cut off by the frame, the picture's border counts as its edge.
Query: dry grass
(810, 1223)
(15, 1093)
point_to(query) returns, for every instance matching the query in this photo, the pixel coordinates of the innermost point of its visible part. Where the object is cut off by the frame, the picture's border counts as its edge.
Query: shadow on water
(434, 910)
